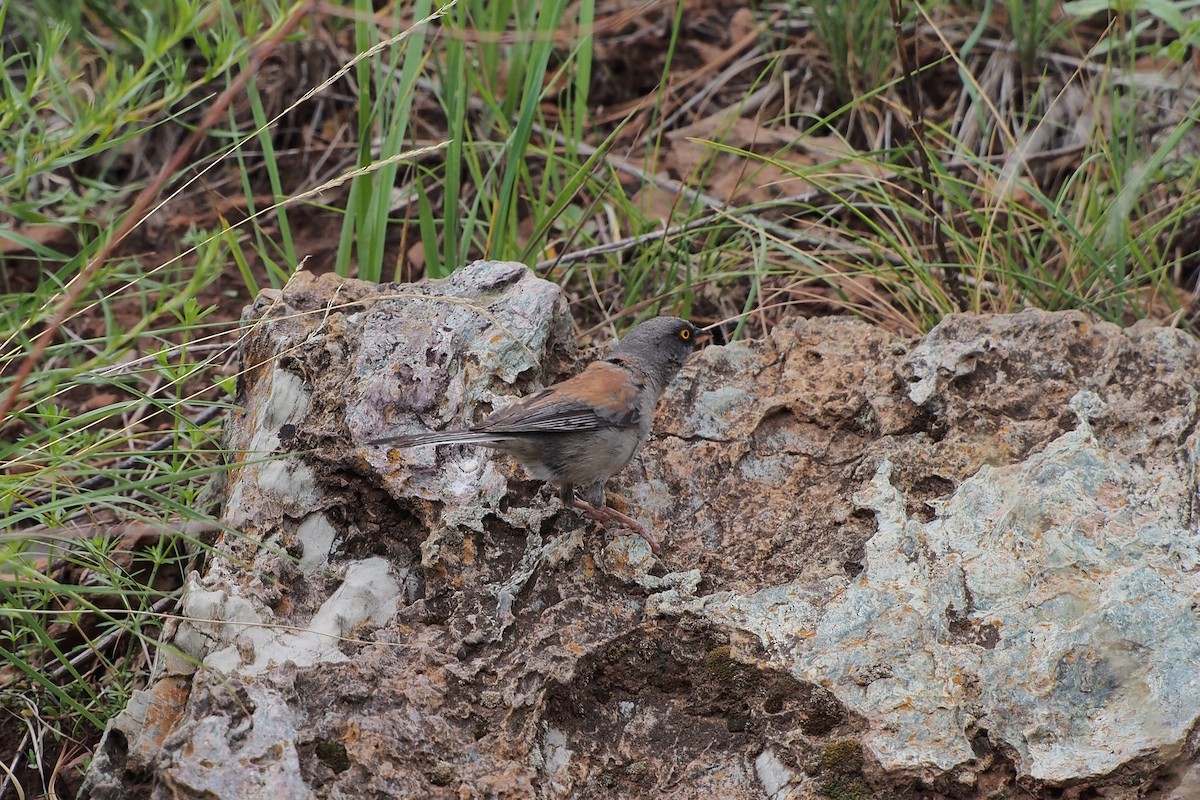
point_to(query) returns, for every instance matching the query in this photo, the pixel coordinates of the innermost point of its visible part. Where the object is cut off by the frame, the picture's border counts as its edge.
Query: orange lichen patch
(169, 697)
(350, 734)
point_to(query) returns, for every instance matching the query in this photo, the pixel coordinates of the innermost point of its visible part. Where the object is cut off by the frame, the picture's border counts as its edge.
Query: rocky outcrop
(965, 566)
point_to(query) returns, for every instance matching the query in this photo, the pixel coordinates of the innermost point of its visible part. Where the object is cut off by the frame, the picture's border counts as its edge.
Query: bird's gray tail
(436, 437)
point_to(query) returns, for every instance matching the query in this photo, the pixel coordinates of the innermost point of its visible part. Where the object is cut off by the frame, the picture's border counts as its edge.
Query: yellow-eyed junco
(581, 431)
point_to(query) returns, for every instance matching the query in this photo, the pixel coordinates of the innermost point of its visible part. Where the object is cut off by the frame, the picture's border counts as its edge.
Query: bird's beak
(706, 337)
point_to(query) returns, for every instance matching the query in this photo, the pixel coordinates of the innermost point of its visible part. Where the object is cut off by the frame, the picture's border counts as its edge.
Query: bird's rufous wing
(603, 395)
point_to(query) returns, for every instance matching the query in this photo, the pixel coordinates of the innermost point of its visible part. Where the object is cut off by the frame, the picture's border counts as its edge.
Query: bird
(578, 433)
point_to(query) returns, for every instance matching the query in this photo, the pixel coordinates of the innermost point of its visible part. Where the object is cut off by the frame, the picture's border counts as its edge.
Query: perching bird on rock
(580, 432)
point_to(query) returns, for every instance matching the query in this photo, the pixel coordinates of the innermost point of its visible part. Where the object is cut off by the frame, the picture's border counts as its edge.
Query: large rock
(965, 566)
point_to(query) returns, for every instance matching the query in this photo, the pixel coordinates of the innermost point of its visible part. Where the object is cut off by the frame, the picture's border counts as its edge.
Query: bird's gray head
(659, 347)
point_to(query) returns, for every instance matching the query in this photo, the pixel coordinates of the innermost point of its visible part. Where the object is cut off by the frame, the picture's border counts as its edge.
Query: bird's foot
(606, 516)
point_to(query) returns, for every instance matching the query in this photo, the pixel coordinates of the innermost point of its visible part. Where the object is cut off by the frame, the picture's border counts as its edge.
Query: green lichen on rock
(841, 765)
(333, 755)
(720, 664)
(843, 756)
(846, 790)
(442, 774)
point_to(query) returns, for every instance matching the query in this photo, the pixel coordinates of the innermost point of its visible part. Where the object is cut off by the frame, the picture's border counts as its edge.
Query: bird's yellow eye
(685, 334)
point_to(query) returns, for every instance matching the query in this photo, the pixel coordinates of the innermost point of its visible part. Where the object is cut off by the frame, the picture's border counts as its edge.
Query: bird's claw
(606, 515)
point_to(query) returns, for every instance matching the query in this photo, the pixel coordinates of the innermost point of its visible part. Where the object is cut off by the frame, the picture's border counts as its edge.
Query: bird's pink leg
(605, 515)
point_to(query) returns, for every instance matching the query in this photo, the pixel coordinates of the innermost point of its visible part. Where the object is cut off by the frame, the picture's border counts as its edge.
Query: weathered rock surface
(964, 566)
